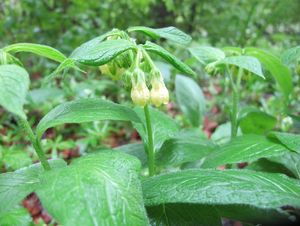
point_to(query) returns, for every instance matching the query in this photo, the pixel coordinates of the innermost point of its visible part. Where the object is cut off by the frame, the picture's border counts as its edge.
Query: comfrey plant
(169, 179)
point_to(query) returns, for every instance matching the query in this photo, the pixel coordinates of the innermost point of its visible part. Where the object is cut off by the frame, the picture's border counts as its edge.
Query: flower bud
(139, 92)
(159, 94)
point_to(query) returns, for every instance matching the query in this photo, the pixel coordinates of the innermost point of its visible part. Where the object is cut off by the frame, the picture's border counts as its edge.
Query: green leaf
(222, 133)
(290, 160)
(183, 214)
(254, 215)
(85, 110)
(41, 50)
(207, 54)
(222, 187)
(290, 56)
(66, 64)
(291, 141)
(185, 147)
(14, 84)
(170, 33)
(256, 122)
(178, 64)
(245, 148)
(16, 217)
(247, 63)
(97, 40)
(190, 99)
(232, 51)
(271, 63)
(97, 189)
(136, 149)
(163, 127)
(266, 165)
(102, 52)
(15, 186)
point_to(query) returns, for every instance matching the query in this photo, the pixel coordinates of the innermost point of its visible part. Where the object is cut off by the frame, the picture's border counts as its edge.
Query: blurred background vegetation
(65, 24)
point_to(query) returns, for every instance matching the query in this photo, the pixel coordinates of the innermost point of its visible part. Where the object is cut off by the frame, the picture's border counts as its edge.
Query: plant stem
(35, 143)
(234, 113)
(235, 101)
(151, 153)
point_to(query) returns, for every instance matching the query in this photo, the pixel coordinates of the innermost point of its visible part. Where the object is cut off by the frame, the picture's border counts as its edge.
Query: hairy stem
(35, 143)
(150, 148)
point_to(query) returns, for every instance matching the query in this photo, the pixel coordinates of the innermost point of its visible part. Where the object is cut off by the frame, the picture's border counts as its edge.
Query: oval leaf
(151, 47)
(85, 110)
(273, 64)
(183, 148)
(15, 186)
(222, 187)
(291, 141)
(256, 122)
(207, 54)
(163, 126)
(247, 63)
(190, 99)
(243, 149)
(41, 50)
(170, 33)
(98, 189)
(14, 84)
(99, 53)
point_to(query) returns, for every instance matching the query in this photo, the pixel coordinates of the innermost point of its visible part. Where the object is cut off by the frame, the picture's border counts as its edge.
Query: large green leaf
(14, 84)
(85, 110)
(245, 148)
(273, 64)
(178, 64)
(15, 186)
(16, 217)
(163, 127)
(98, 189)
(190, 99)
(290, 56)
(41, 50)
(170, 33)
(247, 63)
(184, 147)
(256, 122)
(135, 149)
(183, 215)
(102, 52)
(207, 54)
(222, 187)
(291, 141)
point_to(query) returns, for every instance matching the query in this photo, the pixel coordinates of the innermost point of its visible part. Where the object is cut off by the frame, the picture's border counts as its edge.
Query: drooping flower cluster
(138, 70)
(140, 94)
